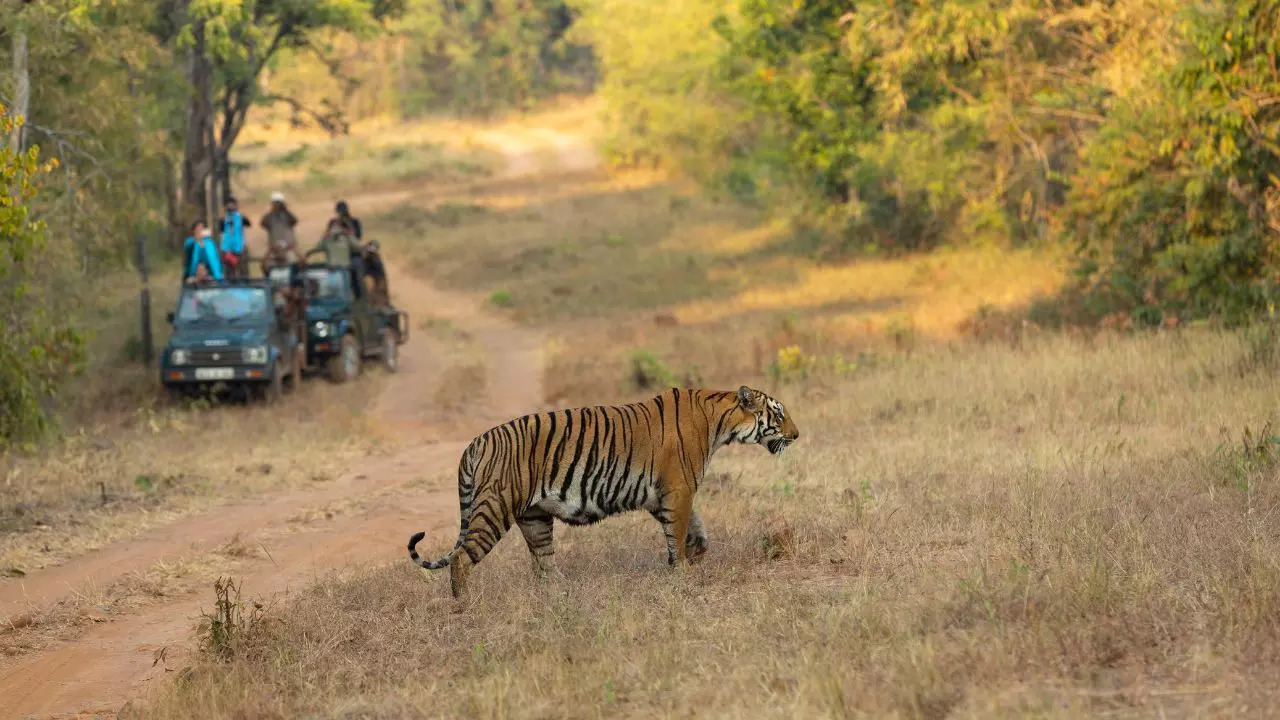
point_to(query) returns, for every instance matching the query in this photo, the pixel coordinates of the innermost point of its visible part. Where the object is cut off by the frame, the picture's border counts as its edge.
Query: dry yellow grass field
(1045, 525)
(1070, 527)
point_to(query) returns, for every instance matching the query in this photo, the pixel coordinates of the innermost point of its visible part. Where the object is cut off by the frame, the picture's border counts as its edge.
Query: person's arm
(292, 220)
(245, 218)
(359, 229)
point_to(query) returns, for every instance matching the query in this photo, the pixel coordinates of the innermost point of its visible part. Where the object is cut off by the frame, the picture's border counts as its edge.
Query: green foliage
(663, 103)
(1177, 202)
(1142, 130)
(648, 372)
(481, 57)
(36, 350)
(902, 126)
(792, 364)
(501, 298)
(1253, 460)
(105, 98)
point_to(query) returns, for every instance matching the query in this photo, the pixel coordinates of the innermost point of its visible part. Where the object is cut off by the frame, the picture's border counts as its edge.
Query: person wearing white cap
(282, 244)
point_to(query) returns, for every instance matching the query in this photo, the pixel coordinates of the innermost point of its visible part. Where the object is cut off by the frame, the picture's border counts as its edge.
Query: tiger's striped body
(581, 466)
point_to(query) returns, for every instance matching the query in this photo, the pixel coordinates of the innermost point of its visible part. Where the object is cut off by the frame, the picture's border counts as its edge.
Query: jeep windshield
(213, 306)
(325, 284)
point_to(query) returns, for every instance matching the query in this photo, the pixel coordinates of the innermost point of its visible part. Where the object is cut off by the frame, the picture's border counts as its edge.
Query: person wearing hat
(233, 225)
(282, 243)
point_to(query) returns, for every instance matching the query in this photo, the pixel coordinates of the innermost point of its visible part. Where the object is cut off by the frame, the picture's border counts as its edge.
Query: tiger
(582, 465)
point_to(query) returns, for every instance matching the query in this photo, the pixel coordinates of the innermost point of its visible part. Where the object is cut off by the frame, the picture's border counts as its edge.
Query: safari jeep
(344, 328)
(230, 334)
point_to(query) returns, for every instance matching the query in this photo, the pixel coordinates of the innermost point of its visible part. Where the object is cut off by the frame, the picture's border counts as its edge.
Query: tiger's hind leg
(536, 525)
(489, 523)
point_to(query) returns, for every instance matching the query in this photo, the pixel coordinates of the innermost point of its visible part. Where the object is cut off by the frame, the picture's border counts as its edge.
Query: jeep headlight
(321, 329)
(179, 357)
(255, 355)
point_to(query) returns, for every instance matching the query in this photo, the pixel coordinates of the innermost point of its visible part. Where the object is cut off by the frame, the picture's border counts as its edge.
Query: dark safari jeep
(344, 327)
(230, 334)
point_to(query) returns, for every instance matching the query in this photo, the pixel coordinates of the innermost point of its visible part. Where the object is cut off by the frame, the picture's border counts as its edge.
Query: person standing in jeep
(282, 243)
(344, 213)
(233, 251)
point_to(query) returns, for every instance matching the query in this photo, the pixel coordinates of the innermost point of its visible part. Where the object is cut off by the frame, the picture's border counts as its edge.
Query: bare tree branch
(330, 119)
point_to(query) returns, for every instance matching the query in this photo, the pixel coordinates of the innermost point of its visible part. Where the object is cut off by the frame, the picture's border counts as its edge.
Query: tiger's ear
(746, 397)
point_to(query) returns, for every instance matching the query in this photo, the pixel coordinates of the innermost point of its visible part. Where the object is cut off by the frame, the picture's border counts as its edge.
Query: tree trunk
(212, 202)
(402, 79)
(222, 174)
(196, 159)
(176, 230)
(22, 85)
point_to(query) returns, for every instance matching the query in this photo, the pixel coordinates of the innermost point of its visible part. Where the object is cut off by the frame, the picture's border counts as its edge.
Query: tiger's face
(768, 423)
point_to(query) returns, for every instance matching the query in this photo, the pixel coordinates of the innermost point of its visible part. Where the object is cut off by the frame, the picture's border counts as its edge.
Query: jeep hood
(198, 337)
(327, 312)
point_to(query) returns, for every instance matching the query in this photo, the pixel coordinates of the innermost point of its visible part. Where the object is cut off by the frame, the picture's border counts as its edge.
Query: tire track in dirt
(116, 661)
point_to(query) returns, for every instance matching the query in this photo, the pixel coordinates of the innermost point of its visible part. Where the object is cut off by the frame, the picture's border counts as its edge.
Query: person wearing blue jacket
(188, 250)
(233, 250)
(202, 250)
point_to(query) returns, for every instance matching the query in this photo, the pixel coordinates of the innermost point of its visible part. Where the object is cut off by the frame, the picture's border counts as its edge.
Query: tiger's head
(764, 421)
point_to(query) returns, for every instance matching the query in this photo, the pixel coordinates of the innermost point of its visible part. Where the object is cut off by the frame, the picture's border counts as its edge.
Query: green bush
(36, 351)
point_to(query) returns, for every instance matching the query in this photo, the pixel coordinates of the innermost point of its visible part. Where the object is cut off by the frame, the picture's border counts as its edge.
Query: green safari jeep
(344, 328)
(230, 334)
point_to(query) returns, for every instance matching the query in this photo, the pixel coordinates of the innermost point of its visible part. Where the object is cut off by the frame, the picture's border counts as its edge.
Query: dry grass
(618, 265)
(44, 626)
(1066, 528)
(353, 161)
(586, 245)
(161, 462)
(382, 153)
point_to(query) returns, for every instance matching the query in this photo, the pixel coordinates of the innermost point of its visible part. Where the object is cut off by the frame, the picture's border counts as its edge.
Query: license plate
(215, 373)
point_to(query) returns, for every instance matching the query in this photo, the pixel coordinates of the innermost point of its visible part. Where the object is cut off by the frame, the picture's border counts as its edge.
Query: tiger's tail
(466, 503)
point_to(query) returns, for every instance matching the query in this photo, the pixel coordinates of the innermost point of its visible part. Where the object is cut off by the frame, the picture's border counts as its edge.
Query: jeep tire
(390, 349)
(345, 364)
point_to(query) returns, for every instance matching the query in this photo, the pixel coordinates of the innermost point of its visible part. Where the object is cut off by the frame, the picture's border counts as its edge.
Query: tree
(35, 349)
(21, 77)
(663, 102)
(103, 96)
(228, 44)
(483, 56)
(1177, 203)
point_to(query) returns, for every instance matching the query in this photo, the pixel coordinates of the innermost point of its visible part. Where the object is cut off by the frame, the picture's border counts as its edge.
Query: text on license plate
(215, 373)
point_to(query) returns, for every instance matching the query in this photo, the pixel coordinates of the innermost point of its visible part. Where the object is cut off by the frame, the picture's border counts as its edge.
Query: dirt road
(124, 656)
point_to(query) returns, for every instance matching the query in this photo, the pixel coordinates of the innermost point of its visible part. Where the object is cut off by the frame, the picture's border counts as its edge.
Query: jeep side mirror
(169, 317)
